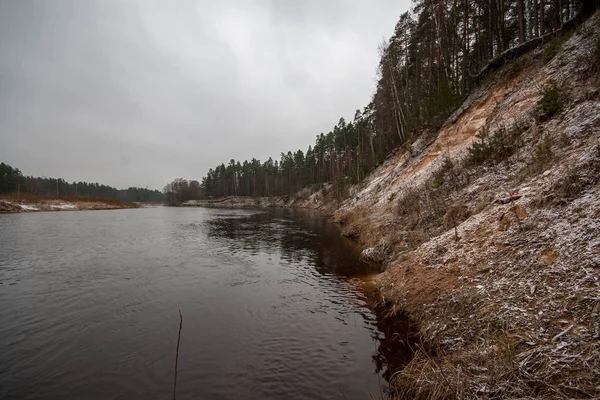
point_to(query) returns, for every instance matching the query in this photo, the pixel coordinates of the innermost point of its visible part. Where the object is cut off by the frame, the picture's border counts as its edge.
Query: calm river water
(89, 306)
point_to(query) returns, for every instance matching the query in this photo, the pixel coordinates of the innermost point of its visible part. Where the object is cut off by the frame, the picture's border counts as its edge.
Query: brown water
(89, 306)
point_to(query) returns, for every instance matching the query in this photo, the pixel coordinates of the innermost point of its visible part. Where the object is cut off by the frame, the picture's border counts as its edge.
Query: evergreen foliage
(551, 50)
(551, 101)
(13, 181)
(495, 147)
(10, 179)
(427, 67)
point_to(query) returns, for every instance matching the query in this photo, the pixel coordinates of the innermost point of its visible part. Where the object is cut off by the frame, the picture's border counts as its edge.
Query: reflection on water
(90, 299)
(303, 236)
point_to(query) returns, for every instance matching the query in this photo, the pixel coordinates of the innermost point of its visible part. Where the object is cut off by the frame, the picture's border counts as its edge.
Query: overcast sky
(136, 93)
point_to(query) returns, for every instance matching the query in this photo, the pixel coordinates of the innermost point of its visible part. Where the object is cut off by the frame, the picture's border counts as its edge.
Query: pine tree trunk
(490, 30)
(399, 126)
(466, 46)
(521, 22)
(542, 9)
(372, 149)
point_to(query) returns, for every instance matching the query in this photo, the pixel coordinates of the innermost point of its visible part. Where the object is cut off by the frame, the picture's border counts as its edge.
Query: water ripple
(90, 299)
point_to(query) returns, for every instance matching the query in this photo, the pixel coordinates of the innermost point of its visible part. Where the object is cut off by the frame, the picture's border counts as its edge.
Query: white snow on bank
(64, 206)
(27, 207)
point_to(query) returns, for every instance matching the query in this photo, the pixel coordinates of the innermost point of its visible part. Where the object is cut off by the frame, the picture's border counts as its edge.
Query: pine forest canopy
(426, 69)
(12, 180)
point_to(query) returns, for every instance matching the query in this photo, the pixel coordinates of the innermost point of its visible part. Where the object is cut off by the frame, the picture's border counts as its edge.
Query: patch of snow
(372, 254)
(64, 206)
(27, 207)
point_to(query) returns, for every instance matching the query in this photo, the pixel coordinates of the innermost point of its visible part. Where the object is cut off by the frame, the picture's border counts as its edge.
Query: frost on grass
(508, 300)
(27, 207)
(64, 206)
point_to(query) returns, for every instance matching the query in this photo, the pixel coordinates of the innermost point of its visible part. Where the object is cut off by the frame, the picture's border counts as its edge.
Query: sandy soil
(506, 298)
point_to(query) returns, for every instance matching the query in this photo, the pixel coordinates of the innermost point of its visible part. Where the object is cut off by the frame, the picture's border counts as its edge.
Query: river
(89, 306)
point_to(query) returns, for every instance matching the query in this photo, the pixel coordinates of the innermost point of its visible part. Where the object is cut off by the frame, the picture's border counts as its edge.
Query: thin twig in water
(177, 353)
(379, 383)
(343, 394)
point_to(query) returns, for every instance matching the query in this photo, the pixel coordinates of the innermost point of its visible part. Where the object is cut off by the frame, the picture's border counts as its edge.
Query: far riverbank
(45, 204)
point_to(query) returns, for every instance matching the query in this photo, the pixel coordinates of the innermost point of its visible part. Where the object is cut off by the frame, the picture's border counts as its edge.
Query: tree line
(427, 68)
(12, 181)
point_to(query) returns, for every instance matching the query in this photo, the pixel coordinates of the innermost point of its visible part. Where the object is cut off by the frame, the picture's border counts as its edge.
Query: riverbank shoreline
(308, 198)
(237, 202)
(17, 206)
(496, 261)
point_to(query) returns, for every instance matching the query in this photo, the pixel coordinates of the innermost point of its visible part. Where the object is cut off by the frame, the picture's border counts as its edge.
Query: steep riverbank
(489, 231)
(62, 205)
(308, 198)
(493, 249)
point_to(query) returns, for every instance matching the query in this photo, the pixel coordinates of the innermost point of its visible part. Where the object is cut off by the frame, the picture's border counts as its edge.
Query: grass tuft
(551, 50)
(551, 101)
(542, 154)
(495, 147)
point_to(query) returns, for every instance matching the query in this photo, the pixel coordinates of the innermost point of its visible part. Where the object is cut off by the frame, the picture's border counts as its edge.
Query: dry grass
(510, 309)
(429, 210)
(496, 366)
(8, 207)
(542, 154)
(500, 366)
(353, 222)
(571, 184)
(501, 330)
(480, 336)
(41, 199)
(479, 348)
(419, 213)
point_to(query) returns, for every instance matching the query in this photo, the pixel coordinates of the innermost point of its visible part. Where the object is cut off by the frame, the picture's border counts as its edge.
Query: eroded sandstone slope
(497, 258)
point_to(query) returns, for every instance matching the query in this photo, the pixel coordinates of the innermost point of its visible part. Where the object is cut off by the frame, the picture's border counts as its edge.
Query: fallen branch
(177, 353)
(509, 199)
(563, 333)
(523, 48)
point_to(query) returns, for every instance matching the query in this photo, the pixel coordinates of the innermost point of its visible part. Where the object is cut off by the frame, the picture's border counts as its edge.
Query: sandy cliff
(495, 256)
(498, 262)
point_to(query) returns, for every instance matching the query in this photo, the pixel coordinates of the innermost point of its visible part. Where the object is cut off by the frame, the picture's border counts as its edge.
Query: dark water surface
(89, 306)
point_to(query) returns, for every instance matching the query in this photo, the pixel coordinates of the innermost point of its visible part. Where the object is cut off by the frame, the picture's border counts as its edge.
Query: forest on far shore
(439, 51)
(12, 181)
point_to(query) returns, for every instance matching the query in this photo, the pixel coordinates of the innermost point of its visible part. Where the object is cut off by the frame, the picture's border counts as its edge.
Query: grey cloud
(139, 92)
